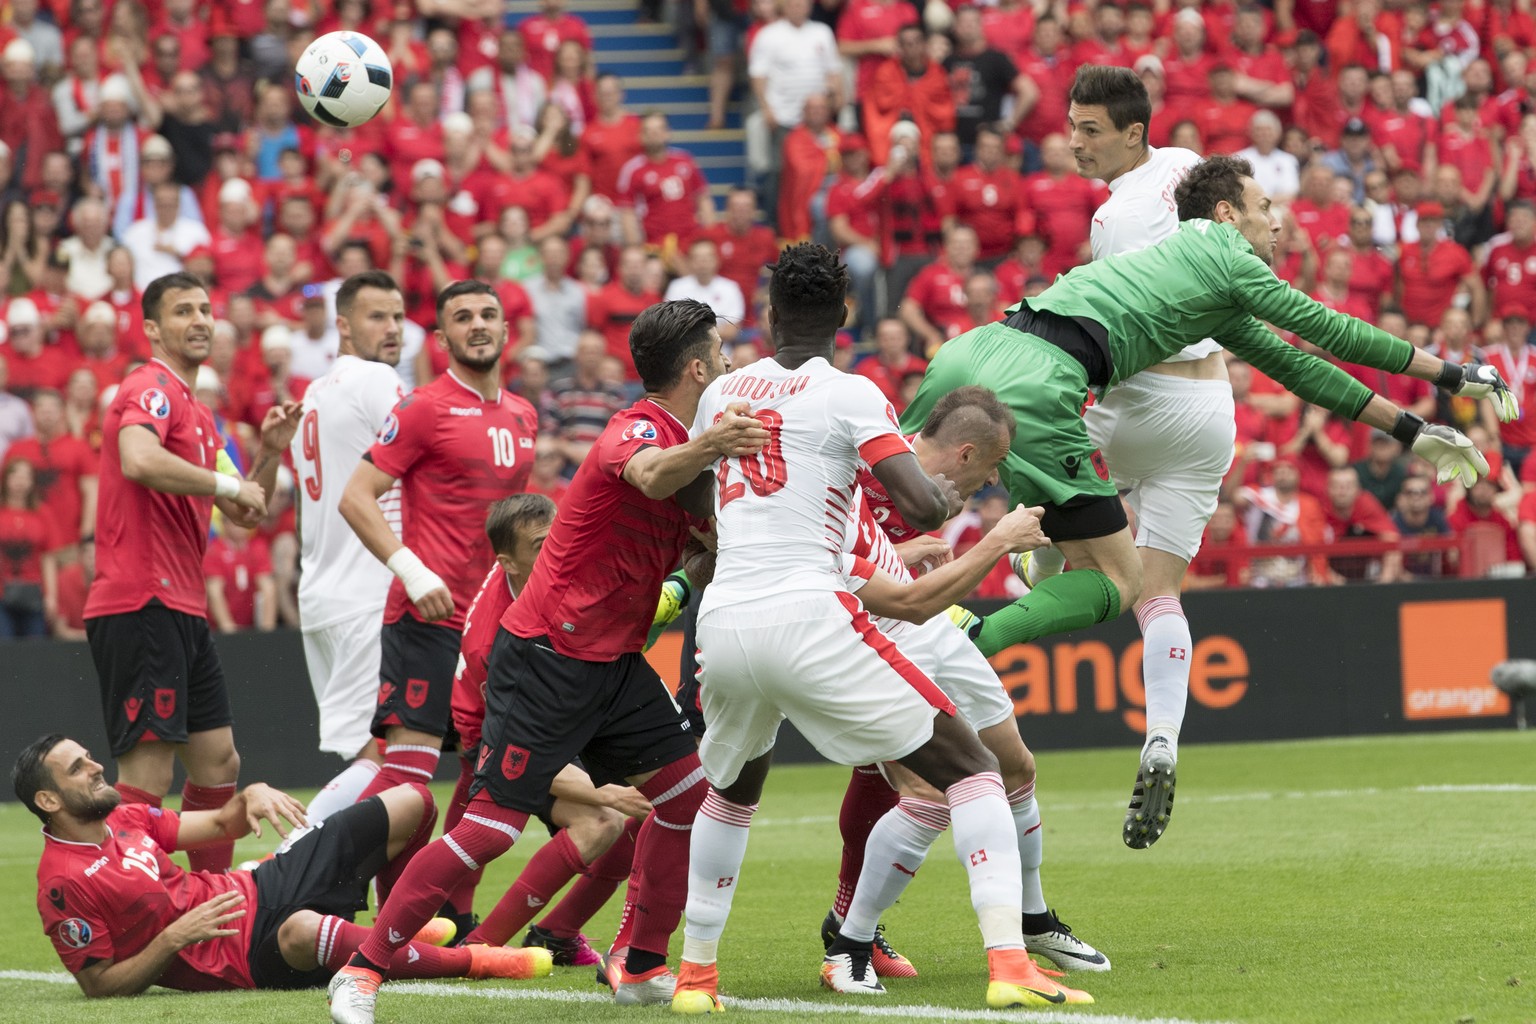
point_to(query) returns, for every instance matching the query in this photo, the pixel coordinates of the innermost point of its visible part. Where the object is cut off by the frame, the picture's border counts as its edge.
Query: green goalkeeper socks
(1070, 601)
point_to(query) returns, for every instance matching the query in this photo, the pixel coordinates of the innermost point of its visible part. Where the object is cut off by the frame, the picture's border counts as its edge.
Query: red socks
(485, 832)
(867, 800)
(134, 795)
(595, 887)
(385, 881)
(337, 940)
(402, 764)
(219, 856)
(462, 898)
(661, 853)
(547, 871)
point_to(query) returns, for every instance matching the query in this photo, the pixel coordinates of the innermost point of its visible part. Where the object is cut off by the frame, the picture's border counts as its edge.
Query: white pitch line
(799, 1007)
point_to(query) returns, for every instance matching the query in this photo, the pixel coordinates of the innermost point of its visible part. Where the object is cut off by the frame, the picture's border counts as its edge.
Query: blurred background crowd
(927, 142)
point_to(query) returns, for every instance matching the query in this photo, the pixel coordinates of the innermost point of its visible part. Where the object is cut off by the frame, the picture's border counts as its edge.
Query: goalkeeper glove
(1452, 453)
(1486, 382)
(676, 592)
(967, 621)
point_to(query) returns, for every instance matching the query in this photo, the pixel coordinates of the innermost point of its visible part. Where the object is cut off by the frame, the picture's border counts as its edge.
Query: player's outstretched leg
(1166, 647)
(1045, 933)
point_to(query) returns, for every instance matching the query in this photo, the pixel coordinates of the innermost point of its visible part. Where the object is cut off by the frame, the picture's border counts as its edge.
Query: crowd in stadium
(140, 138)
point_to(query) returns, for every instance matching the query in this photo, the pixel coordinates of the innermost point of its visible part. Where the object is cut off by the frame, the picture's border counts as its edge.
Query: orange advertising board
(1448, 650)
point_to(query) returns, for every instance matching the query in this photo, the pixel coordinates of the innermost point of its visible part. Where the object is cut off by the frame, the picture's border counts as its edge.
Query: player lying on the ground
(123, 916)
(592, 828)
(964, 438)
(781, 636)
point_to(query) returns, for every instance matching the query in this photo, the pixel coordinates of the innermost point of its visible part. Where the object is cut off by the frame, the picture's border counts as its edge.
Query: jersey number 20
(765, 472)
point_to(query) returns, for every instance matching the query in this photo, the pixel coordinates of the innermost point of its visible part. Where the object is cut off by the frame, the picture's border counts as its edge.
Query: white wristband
(418, 579)
(226, 486)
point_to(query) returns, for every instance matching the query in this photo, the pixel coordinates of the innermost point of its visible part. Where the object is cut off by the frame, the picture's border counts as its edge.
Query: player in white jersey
(781, 636)
(342, 587)
(1166, 433)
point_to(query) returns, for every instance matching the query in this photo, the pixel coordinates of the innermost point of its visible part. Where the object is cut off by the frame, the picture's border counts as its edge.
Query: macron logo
(395, 937)
(464, 412)
(534, 902)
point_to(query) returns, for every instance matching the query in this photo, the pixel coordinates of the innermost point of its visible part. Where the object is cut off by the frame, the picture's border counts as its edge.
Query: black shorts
(543, 710)
(416, 665)
(688, 670)
(326, 871)
(545, 814)
(1084, 517)
(159, 674)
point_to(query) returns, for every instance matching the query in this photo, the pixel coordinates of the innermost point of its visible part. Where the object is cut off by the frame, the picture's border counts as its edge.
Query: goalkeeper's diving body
(1104, 321)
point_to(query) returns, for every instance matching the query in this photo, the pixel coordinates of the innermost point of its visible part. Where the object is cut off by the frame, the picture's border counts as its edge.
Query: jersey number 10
(765, 472)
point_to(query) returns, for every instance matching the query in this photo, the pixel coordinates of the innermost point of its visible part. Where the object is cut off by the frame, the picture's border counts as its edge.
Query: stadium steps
(654, 71)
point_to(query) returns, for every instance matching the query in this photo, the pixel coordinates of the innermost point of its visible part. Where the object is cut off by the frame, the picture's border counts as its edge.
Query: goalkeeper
(1107, 320)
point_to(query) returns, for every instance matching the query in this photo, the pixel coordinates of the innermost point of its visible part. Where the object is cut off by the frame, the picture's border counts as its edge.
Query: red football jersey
(59, 466)
(593, 589)
(1519, 369)
(744, 258)
(481, 624)
(881, 509)
(148, 544)
(108, 901)
(664, 193)
(454, 454)
(1511, 273)
(940, 292)
(542, 36)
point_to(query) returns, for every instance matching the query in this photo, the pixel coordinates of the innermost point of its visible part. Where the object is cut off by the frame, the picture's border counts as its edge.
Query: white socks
(1026, 822)
(715, 854)
(342, 791)
(981, 823)
(1166, 650)
(897, 846)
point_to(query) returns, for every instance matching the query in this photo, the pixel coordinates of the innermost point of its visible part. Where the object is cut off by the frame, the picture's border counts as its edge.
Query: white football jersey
(866, 540)
(1140, 212)
(782, 515)
(343, 413)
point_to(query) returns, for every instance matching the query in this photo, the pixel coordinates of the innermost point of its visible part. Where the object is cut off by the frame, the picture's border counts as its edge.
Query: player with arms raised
(566, 675)
(455, 445)
(162, 688)
(342, 587)
(780, 635)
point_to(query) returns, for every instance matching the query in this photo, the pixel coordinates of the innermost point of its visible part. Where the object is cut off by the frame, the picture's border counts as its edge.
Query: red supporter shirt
(1472, 155)
(1187, 80)
(481, 624)
(25, 536)
(609, 147)
(406, 142)
(1223, 126)
(1008, 31)
(1053, 76)
(1430, 284)
(1511, 273)
(889, 380)
(72, 588)
(59, 466)
(664, 194)
(106, 902)
(48, 369)
(1408, 133)
(238, 260)
(593, 589)
(542, 36)
(150, 545)
(1366, 518)
(239, 568)
(1329, 222)
(940, 293)
(882, 509)
(744, 257)
(613, 311)
(454, 454)
(1519, 369)
(857, 199)
(1370, 279)
(1063, 214)
(1465, 516)
(864, 20)
(988, 201)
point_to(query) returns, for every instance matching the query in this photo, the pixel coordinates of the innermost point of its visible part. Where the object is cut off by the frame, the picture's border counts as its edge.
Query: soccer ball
(343, 79)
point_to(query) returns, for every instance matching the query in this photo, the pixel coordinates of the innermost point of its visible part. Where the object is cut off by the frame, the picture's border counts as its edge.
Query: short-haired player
(566, 675)
(342, 587)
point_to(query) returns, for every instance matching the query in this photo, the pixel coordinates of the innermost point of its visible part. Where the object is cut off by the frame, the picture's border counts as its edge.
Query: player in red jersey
(123, 916)
(455, 445)
(591, 835)
(146, 617)
(566, 674)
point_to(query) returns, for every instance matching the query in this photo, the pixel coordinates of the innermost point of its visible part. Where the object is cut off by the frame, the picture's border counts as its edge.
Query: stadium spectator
(705, 284)
(1047, 64)
(1282, 513)
(1406, 133)
(73, 584)
(1479, 509)
(1216, 564)
(583, 402)
(559, 304)
(1371, 273)
(86, 250)
(520, 91)
(892, 361)
(1222, 115)
(1468, 216)
(81, 417)
(1187, 65)
(982, 78)
(789, 60)
(161, 241)
(1381, 473)
(611, 138)
(1325, 220)
(1058, 206)
(1511, 263)
(613, 309)
(1431, 270)
(1333, 285)
(28, 123)
(64, 470)
(1353, 512)
(853, 221)
(746, 248)
(570, 88)
(237, 570)
(543, 33)
(1525, 527)
(1455, 341)
(806, 170)
(1353, 159)
(1276, 171)
(1262, 75)
(663, 197)
(907, 86)
(28, 540)
(934, 303)
(1512, 359)
(989, 196)
(1415, 514)
(77, 95)
(31, 363)
(15, 413)
(866, 32)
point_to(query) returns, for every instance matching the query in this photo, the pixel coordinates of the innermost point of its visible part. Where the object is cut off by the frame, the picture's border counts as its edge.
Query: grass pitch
(1365, 880)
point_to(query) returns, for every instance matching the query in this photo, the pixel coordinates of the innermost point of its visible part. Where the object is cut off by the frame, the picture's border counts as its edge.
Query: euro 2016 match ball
(343, 79)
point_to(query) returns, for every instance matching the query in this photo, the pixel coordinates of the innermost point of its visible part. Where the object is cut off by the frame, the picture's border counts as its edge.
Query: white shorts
(818, 661)
(951, 660)
(1170, 441)
(343, 660)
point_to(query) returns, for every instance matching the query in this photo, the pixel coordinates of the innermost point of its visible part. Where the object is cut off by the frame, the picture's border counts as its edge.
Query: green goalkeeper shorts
(1052, 460)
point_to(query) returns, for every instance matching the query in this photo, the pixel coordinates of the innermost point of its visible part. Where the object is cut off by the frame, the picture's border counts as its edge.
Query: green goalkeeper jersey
(1204, 281)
